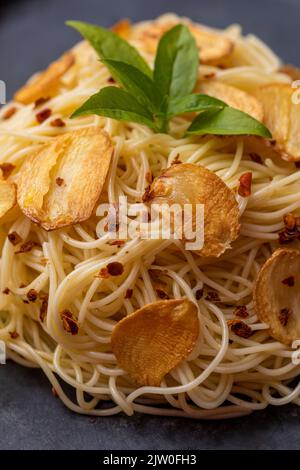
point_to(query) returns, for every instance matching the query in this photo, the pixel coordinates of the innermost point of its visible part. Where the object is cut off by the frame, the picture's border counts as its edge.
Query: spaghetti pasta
(226, 375)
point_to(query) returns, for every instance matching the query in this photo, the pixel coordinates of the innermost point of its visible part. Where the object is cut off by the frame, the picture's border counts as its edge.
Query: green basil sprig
(152, 98)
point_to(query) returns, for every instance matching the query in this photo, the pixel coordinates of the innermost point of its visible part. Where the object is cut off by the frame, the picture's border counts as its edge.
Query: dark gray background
(32, 33)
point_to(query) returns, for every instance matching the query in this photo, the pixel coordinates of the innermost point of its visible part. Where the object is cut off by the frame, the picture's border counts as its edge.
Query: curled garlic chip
(276, 295)
(80, 159)
(7, 196)
(186, 183)
(212, 46)
(46, 81)
(282, 117)
(233, 97)
(156, 338)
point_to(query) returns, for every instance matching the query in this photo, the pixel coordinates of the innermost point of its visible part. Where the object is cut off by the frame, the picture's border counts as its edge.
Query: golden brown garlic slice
(213, 47)
(43, 85)
(186, 183)
(156, 338)
(282, 117)
(276, 295)
(81, 160)
(233, 97)
(7, 196)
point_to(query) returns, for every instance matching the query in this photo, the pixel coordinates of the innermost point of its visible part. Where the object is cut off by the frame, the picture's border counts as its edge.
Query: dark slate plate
(32, 33)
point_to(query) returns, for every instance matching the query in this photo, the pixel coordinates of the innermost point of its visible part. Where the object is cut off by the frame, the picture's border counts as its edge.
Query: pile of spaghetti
(146, 325)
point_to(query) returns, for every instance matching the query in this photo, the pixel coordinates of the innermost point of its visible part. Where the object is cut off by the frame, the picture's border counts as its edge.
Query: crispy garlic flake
(43, 85)
(7, 196)
(80, 159)
(186, 183)
(282, 117)
(212, 46)
(156, 338)
(276, 295)
(233, 97)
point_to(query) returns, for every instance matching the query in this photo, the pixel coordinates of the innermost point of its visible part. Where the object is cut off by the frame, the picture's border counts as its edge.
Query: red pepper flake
(69, 323)
(284, 316)
(199, 294)
(14, 238)
(241, 311)
(209, 75)
(9, 113)
(273, 142)
(289, 281)
(44, 309)
(32, 295)
(256, 158)
(245, 184)
(13, 334)
(115, 268)
(54, 392)
(116, 243)
(43, 115)
(22, 285)
(25, 301)
(58, 122)
(103, 273)
(149, 177)
(129, 293)
(176, 160)
(6, 291)
(59, 181)
(43, 295)
(111, 80)
(26, 247)
(7, 169)
(240, 328)
(212, 296)
(40, 101)
(148, 194)
(162, 294)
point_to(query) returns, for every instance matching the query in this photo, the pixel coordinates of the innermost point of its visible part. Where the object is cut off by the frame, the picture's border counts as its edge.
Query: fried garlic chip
(212, 46)
(233, 97)
(42, 86)
(60, 184)
(7, 196)
(282, 117)
(156, 338)
(186, 183)
(276, 295)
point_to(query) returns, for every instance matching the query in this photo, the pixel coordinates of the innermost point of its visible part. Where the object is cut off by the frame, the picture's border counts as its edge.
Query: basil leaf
(228, 121)
(136, 83)
(117, 104)
(110, 46)
(176, 62)
(194, 102)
